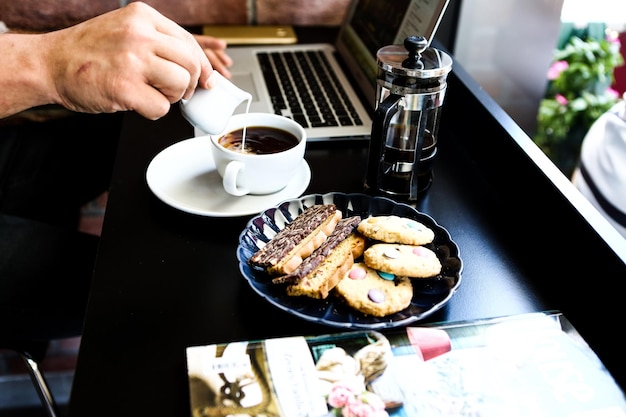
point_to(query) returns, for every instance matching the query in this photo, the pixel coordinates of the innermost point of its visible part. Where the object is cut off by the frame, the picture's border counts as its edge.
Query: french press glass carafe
(411, 84)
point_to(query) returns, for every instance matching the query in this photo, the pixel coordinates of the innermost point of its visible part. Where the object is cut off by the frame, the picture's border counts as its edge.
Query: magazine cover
(528, 365)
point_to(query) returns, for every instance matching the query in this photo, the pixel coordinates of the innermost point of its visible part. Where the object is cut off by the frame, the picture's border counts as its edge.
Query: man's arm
(23, 79)
(132, 58)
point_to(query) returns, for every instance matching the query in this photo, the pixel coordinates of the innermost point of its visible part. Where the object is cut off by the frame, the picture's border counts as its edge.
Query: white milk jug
(210, 109)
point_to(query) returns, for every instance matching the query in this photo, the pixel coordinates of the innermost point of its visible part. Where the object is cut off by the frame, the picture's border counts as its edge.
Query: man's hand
(132, 58)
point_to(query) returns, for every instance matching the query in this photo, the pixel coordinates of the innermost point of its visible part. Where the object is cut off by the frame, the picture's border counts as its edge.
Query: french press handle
(380, 125)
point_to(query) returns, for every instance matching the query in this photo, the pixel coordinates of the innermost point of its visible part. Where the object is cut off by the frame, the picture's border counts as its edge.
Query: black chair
(45, 274)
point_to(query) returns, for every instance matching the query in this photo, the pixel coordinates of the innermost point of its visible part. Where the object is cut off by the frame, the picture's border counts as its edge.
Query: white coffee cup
(251, 173)
(210, 109)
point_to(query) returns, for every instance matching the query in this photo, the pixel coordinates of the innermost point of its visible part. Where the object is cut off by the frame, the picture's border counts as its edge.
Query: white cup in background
(253, 173)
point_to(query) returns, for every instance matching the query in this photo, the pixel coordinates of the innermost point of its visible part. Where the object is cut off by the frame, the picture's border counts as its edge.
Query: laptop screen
(372, 24)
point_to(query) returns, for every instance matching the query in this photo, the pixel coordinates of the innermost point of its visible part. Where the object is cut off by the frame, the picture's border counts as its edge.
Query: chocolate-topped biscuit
(297, 240)
(344, 228)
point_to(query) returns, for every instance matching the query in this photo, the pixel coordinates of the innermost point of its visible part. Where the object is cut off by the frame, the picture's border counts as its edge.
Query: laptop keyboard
(303, 87)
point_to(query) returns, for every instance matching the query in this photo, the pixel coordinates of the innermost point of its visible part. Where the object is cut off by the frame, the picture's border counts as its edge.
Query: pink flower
(613, 37)
(561, 99)
(612, 92)
(365, 404)
(556, 69)
(339, 396)
(356, 408)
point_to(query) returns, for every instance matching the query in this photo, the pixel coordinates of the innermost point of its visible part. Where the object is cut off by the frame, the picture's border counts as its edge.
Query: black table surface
(165, 279)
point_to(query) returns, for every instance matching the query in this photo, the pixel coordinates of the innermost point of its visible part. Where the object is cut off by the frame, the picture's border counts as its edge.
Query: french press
(411, 84)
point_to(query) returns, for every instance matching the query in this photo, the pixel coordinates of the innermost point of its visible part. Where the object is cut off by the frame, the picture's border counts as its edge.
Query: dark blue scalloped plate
(429, 294)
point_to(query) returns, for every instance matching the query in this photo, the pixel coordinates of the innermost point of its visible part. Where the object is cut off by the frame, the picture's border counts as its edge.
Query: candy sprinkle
(357, 273)
(387, 276)
(415, 225)
(391, 253)
(422, 251)
(376, 296)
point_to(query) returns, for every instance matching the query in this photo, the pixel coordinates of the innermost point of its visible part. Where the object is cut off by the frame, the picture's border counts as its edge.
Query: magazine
(526, 365)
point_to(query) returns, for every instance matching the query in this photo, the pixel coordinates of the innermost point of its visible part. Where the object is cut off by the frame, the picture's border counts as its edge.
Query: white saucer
(184, 177)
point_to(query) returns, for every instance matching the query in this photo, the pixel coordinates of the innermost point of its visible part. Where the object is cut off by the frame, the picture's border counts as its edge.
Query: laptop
(348, 65)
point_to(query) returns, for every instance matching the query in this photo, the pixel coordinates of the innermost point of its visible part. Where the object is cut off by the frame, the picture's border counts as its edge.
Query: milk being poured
(243, 139)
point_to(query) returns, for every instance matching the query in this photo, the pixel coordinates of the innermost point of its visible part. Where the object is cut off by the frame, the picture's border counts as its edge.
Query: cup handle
(230, 179)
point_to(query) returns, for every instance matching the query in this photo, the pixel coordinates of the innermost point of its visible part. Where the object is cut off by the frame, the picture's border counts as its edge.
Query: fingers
(166, 81)
(170, 78)
(220, 61)
(209, 42)
(150, 103)
(179, 46)
(215, 50)
(185, 55)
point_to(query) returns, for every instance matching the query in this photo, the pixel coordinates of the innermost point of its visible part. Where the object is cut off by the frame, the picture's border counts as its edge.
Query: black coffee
(259, 140)
(396, 169)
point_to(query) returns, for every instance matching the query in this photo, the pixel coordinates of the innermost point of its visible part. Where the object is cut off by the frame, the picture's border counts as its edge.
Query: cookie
(321, 280)
(324, 269)
(344, 228)
(405, 260)
(297, 240)
(373, 293)
(395, 229)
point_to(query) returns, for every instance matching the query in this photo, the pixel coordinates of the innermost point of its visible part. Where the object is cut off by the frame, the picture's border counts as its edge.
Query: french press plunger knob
(415, 45)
